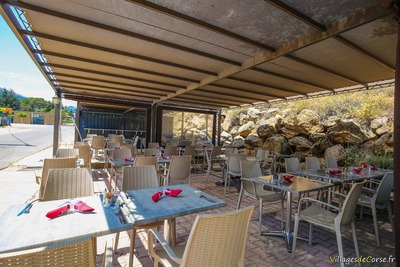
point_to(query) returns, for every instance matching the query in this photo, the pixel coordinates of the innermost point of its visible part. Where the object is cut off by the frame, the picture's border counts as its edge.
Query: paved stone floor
(271, 251)
(260, 250)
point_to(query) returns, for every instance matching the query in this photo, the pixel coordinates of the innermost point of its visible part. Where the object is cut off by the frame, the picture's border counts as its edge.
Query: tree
(8, 98)
(34, 104)
(21, 115)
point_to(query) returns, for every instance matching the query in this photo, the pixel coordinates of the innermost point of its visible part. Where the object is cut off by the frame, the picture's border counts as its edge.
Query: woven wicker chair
(151, 152)
(153, 145)
(179, 170)
(312, 163)
(331, 162)
(98, 144)
(378, 199)
(251, 188)
(138, 177)
(233, 168)
(81, 253)
(85, 154)
(118, 139)
(318, 215)
(68, 183)
(52, 163)
(120, 154)
(212, 159)
(131, 147)
(292, 165)
(171, 150)
(215, 240)
(67, 153)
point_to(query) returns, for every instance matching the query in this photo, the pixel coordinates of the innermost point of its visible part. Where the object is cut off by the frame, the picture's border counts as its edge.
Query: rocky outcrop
(286, 131)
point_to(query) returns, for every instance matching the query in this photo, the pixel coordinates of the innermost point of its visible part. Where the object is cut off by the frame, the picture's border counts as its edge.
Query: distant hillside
(18, 95)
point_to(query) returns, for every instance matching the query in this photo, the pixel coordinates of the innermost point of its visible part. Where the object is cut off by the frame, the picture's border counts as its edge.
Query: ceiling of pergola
(214, 54)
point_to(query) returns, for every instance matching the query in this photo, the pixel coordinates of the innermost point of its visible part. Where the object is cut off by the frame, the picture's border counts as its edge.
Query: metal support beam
(396, 159)
(57, 123)
(154, 120)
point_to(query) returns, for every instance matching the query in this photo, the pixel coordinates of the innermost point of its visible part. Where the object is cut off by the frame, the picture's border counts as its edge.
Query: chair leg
(260, 212)
(208, 173)
(240, 197)
(310, 234)
(282, 213)
(389, 208)
(353, 231)
(339, 243)
(132, 247)
(296, 228)
(116, 242)
(375, 225)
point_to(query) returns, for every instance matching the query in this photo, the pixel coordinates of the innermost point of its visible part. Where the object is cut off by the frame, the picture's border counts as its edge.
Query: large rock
(253, 114)
(266, 130)
(238, 142)
(252, 141)
(381, 125)
(319, 147)
(290, 132)
(331, 121)
(300, 143)
(277, 143)
(230, 122)
(346, 132)
(306, 122)
(246, 129)
(335, 151)
(381, 145)
(235, 131)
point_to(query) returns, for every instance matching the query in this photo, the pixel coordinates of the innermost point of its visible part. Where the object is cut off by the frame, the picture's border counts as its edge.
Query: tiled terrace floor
(267, 250)
(260, 250)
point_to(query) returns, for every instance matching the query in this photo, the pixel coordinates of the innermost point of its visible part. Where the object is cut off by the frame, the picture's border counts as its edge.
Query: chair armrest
(38, 177)
(108, 255)
(336, 193)
(317, 201)
(154, 233)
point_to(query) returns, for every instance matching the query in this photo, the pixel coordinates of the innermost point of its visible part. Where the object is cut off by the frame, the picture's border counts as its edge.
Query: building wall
(48, 117)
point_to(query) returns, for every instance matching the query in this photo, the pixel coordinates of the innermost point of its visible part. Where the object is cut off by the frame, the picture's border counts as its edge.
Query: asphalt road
(20, 140)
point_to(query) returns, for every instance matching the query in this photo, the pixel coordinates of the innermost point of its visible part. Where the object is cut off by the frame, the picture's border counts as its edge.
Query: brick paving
(271, 251)
(260, 250)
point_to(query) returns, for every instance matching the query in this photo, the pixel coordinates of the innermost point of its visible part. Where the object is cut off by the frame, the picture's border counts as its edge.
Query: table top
(34, 229)
(143, 210)
(343, 177)
(300, 185)
(123, 162)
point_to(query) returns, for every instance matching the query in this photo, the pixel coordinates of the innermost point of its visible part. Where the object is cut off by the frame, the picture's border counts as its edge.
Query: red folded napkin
(167, 192)
(172, 192)
(357, 170)
(373, 168)
(288, 178)
(59, 211)
(157, 196)
(128, 159)
(83, 207)
(335, 171)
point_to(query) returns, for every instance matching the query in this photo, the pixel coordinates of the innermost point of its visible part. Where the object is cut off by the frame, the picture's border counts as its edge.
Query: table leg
(287, 232)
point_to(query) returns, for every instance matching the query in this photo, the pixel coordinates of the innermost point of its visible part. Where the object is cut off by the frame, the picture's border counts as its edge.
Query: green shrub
(352, 156)
(382, 162)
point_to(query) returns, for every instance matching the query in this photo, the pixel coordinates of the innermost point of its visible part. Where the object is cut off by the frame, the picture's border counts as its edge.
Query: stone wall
(286, 131)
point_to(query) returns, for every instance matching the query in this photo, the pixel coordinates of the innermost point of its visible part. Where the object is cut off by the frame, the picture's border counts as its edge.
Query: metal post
(57, 120)
(396, 160)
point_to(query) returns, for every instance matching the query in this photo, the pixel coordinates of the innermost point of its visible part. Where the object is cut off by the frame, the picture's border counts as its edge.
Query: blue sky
(18, 71)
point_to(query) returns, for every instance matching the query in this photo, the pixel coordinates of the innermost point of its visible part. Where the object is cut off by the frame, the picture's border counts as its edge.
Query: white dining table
(300, 185)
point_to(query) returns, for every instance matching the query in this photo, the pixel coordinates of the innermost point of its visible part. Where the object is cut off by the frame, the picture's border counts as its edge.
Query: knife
(206, 198)
(26, 209)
